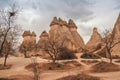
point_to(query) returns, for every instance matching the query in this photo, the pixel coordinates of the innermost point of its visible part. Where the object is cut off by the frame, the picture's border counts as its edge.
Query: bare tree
(53, 48)
(24, 48)
(9, 31)
(6, 50)
(27, 47)
(36, 71)
(109, 42)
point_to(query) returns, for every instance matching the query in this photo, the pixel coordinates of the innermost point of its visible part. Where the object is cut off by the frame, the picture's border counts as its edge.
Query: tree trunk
(25, 55)
(110, 57)
(5, 60)
(53, 61)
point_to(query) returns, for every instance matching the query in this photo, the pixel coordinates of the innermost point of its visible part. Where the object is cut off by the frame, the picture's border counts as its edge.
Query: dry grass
(6, 79)
(79, 77)
(2, 67)
(88, 62)
(74, 63)
(56, 66)
(18, 77)
(89, 56)
(105, 67)
(21, 77)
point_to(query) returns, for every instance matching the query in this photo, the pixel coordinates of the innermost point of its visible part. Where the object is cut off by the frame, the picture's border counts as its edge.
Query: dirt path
(18, 66)
(19, 63)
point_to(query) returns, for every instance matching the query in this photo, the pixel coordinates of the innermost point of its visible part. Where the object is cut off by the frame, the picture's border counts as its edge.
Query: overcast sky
(36, 15)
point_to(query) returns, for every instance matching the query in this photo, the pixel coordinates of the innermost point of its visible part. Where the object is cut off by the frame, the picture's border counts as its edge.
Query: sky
(36, 15)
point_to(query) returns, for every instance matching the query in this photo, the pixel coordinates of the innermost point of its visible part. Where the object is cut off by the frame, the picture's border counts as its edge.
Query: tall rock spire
(116, 29)
(54, 21)
(33, 34)
(71, 24)
(26, 33)
(94, 41)
(44, 34)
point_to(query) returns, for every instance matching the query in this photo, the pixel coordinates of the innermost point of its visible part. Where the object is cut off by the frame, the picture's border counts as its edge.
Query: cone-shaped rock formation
(68, 32)
(116, 33)
(94, 41)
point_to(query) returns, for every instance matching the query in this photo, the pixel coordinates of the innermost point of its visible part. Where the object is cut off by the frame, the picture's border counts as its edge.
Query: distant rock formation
(95, 41)
(29, 43)
(116, 33)
(43, 40)
(61, 30)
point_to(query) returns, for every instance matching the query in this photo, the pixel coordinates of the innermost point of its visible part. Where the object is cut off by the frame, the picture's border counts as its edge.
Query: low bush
(115, 57)
(66, 54)
(105, 67)
(88, 62)
(6, 79)
(2, 67)
(89, 56)
(79, 77)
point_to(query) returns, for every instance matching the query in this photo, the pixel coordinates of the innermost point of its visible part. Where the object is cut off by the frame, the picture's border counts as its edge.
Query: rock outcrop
(43, 40)
(28, 45)
(60, 30)
(116, 33)
(95, 41)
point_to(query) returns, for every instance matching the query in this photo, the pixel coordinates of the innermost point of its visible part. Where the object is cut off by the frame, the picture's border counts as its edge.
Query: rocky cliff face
(95, 41)
(116, 33)
(60, 30)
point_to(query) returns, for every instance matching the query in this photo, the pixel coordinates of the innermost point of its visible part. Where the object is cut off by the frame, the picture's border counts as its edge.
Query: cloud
(117, 2)
(36, 15)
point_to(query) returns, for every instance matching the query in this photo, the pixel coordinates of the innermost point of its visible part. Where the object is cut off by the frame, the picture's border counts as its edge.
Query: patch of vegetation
(105, 67)
(118, 61)
(2, 67)
(89, 56)
(56, 66)
(115, 57)
(79, 77)
(75, 63)
(102, 54)
(89, 61)
(6, 79)
(66, 54)
(21, 77)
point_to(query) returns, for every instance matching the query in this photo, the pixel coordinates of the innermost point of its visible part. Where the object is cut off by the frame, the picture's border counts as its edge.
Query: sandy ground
(19, 64)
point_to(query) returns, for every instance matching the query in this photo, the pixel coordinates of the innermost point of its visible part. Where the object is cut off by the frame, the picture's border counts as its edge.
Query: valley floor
(19, 64)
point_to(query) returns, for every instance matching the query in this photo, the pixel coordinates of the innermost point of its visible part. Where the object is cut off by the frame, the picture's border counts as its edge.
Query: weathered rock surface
(60, 30)
(95, 41)
(116, 33)
(43, 40)
(29, 43)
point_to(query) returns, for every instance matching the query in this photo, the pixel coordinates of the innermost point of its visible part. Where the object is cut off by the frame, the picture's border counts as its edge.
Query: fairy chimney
(94, 41)
(61, 30)
(43, 40)
(116, 33)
